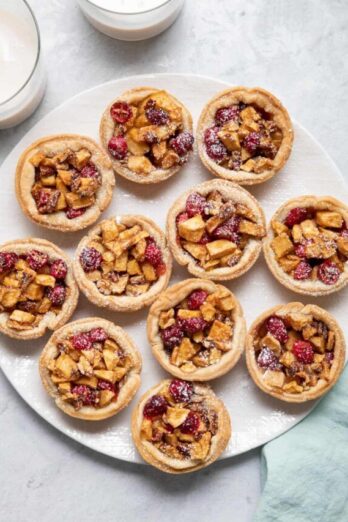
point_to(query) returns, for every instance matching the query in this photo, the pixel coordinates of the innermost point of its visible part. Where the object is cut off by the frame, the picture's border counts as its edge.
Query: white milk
(18, 55)
(131, 19)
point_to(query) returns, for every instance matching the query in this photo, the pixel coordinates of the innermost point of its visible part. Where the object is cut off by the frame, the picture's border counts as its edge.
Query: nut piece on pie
(147, 134)
(179, 426)
(37, 288)
(215, 229)
(306, 247)
(91, 368)
(197, 330)
(64, 182)
(295, 352)
(123, 263)
(244, 135)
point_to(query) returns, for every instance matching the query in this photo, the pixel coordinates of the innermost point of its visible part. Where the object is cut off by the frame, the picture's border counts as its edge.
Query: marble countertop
(296, 50)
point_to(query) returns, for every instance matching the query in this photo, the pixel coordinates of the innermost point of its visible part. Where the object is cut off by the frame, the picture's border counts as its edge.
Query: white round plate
(256, 417)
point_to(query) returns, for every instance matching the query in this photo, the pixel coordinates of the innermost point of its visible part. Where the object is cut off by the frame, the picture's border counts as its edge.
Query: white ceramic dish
(256, 418)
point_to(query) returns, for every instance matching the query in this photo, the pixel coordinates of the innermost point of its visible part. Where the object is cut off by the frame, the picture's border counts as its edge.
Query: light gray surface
(295, 49)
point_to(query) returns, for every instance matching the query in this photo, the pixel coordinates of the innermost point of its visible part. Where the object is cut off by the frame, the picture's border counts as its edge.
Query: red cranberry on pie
(90, 259)
(121, 112)
(303, 351)
(276, 326)
(37, 260)
(155, 406)
(118, 147)
(181, 391)
(59, 269)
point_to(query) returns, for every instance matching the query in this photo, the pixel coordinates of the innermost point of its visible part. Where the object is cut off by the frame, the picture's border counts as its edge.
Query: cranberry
(211, 136)
(81, 341)
(153, 254)
(228, 230)
(302, 271)
(328, 272)
(195, 204)
(252, 141)
(303, 351)
(85, 394)
(57, 295)
(172, 336)
(193, 325)
(118, 147)
(268, 359)
(37, 260)
(296, 216)
(182, 143)
(90, 259)
(7, 261)
(183, 216)
(190, 424)
(157, 116)
(105, 385)
(98, 335)
(181, 391)
(121, 112)
(276, 326)
(329, 356)
(196, 299)
(300, 250)
(59, 269)
(156, 405)
(72, 213)
(89, 171)
(217, 151)
(226, 114)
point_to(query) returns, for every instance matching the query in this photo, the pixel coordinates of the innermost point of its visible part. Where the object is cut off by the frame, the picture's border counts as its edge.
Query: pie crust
(136, 288)
(214, 409)
(151, 165)
(127, 385)
(240, 260)
(22, 326)
(224, 342)
(329, 243)
(233, 134)
(306, 380)
(94, 198)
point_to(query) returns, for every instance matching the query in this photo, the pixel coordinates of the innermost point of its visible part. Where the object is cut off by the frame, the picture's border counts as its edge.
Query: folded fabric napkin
(305, 472)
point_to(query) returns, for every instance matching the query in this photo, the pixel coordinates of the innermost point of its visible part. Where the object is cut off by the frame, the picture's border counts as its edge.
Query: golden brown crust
(25, 177)
(106, 130)
(50, 320)
(124, 303)
(322, 385)
(173, 296)
(306, 287)
(251, 252)
(127, 391)
(170, 465)
(262, 99)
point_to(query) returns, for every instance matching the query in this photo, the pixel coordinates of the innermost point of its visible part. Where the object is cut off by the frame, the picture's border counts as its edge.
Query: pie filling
(215, 231)
(243, 137)
(89, 369)
(122, 260)
(294, 352)
(199, 330)
(149, 135)
(65, 182)
(311, 244)
(179, 422)
(31, 285)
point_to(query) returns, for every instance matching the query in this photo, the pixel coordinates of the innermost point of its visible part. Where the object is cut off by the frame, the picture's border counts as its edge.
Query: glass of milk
(131, 19)
(22, 79)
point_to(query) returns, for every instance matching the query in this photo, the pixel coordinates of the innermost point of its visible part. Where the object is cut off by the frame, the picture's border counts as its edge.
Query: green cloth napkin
(305, 472)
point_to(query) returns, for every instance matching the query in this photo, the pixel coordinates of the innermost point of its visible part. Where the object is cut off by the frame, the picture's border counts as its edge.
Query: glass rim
(145, 11)
(38, 52)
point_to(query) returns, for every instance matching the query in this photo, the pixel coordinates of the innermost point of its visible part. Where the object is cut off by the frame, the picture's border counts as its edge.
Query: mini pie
(64, 182)
(37, 288)
(244, 135)
(215, 229)
(180, 427)
(197, 330)
(91, 368)
(295, 352)
(147, 134)
(123, 263)
(306, 247)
